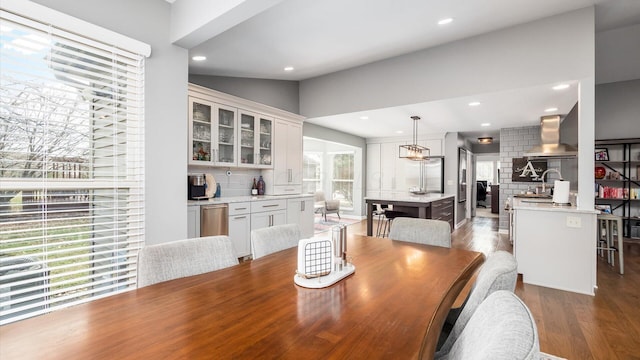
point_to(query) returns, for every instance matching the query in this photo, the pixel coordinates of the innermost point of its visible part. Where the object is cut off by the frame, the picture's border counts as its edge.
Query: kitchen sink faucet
(545, 173)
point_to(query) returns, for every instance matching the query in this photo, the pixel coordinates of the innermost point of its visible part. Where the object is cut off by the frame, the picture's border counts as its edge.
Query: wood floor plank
(570, 325)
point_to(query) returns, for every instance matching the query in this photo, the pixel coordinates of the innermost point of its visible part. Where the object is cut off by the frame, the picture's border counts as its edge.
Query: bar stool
(379, 214)
(389, 215)
(605, 235)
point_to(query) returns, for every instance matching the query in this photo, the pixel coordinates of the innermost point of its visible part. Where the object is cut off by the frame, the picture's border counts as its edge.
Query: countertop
(550, 207)
(236, 199)
(426, 198)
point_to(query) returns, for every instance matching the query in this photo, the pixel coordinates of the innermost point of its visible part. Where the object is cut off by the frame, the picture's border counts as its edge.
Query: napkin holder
(323, 262)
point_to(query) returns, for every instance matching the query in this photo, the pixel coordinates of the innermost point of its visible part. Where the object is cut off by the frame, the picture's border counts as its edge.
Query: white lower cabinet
(239, 227)
(193, 221)
(256, 214)
(268, 218)
(268, 213)
(300, 211)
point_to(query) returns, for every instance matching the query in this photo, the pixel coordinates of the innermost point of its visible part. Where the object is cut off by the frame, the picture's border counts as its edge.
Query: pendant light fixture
(414, 151)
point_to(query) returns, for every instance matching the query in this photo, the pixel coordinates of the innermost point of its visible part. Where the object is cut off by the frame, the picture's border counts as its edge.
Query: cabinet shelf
(612, 180)
(625, 161)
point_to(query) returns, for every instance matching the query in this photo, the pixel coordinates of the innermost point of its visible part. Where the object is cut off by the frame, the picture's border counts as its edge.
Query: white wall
(165, 105)
(280, 94)
(618, 110)
(557, 48)
(618, 54)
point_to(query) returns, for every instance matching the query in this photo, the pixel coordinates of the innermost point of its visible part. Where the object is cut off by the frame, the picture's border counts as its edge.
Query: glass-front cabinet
(226, 149)
(256, 138)
(212, 133)
(200, 118)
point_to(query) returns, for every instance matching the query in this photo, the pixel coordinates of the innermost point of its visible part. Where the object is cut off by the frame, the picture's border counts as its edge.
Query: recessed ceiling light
(485, 124)
(445, 21)
(474, 103)
(399, 132)
(288, 68)
(561, 87)
(551, 109)
(199, 58)
(364, 117)
(485, 140)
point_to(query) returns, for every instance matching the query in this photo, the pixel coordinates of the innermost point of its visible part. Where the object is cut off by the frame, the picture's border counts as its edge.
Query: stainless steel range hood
(550, 146)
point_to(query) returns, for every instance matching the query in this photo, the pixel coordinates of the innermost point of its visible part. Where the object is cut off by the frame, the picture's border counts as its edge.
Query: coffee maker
(197, 187)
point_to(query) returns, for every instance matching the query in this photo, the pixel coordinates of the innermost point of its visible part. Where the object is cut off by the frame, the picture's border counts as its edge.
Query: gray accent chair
(182, 258)
(272, 239)
(501, 328)
(324, 206)
(421, 231)
(499, 272)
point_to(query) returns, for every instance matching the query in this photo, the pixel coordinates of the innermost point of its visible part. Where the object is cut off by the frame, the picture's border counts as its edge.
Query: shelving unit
(621, 186)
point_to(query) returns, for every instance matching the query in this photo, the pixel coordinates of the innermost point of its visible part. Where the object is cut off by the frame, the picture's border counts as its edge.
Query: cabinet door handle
(302, 204)
(242, 208)
(240, 217)
(270, 220)
(289, 175)
(267, 206)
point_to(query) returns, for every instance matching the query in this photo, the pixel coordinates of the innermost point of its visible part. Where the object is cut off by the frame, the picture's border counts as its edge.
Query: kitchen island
(428, 206)
(555, 246)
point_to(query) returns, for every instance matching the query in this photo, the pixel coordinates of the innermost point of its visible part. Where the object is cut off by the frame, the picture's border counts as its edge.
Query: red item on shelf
(600, 172)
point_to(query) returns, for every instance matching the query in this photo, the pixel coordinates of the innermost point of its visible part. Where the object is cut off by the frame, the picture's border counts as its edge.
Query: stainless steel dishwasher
(214, 220)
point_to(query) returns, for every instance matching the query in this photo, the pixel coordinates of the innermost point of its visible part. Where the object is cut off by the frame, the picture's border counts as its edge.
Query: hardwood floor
(570, 325)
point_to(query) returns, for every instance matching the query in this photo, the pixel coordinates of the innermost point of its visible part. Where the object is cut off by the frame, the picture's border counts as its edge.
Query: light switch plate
(574, 222)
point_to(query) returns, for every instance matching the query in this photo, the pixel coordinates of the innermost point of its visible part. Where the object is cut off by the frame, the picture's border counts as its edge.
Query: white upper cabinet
(200, 131)
(373, 167)
(256, 140)
(228, 131)
(286, 177)
(212, 133)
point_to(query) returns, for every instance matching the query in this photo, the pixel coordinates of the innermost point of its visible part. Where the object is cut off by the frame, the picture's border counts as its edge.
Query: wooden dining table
(392, 307)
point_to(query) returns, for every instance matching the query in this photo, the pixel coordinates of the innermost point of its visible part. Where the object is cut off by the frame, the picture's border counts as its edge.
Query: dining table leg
(369, 218)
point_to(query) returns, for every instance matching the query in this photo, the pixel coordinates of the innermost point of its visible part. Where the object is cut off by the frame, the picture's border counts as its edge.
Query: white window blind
(71, 168)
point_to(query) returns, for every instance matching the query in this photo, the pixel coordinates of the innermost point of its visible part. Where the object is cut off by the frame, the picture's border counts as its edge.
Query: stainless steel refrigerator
(425, 176)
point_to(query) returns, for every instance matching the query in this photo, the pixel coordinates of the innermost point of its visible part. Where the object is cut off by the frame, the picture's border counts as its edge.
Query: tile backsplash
(513, 143)
(237, 184)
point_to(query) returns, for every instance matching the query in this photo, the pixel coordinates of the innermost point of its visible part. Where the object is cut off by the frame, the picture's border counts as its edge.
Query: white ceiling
(320, 37)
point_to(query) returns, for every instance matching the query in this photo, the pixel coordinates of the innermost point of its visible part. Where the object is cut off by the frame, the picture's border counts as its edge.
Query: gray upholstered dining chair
(422, 231)
(501, 328)
(324, 206)
(182, 258)
(499, 272)
(272, 239)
